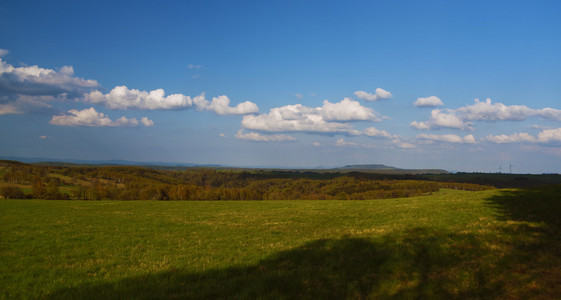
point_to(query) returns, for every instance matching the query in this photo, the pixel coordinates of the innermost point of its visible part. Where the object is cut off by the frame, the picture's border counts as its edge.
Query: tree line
(139, 183)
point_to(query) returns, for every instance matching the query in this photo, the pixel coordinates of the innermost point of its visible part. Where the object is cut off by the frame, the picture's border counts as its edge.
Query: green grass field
(453, 244)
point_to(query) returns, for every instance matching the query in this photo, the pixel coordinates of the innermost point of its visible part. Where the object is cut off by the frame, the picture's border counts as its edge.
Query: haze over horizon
(463, 85)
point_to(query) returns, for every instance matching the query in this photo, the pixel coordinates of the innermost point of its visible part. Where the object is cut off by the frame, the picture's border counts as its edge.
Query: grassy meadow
(451, 244)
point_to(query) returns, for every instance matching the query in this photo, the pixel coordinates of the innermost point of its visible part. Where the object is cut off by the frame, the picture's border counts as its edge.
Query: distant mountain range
(379, 168)
(370, 168)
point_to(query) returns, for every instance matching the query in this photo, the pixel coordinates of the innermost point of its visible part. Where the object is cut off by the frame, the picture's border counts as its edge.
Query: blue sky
(285, 83)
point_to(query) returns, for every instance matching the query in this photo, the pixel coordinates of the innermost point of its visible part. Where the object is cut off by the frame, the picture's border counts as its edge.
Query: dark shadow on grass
(420, 263)
(533, 233)
(536, 205)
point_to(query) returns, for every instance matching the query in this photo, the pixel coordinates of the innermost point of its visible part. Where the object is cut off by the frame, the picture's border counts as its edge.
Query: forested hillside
(19, 180)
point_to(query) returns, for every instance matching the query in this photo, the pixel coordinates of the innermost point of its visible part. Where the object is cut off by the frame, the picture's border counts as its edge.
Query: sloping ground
(454, 244)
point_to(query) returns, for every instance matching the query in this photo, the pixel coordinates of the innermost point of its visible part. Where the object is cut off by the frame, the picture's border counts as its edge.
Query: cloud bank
(448, 138)
(461, 118)
(544, 137)
(257, 137)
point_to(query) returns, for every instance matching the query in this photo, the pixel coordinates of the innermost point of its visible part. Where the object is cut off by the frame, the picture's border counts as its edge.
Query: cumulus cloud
(90, 117)
(329, 118)
(30, 88)
(146, 122)
(346, 110)
(4, 52)
(550, 135)
(513, 138)
(487, 111)
(343, 143)
(440, 119)
(379, 94)
(374, 132)
(428, 102)
(545, 136)
(461, 118)
(122, 97)
(221, 105)
(448, 138)
(257, 137)
(37, 81)
(292, 118)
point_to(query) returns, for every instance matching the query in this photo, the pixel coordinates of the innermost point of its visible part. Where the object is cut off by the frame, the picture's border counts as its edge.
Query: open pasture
(452, 244)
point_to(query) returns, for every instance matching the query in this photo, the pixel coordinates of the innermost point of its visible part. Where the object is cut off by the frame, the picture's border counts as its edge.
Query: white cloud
(343, 143)
(440, 119)
(488, 111)
(4, 52)
(513, 138)
(374, 132)
(549, 113)
(257, 137)
(316, 144)
(146, 122)
(222, 135)
(346, 110)
(448, 138)
(36, 81)
(221, 105)
(428, 102)
(544, 137)
(550, 135)
(379, 94)
(191, 66)
(328, 118)
(420, 125)
(292, 118)
(90, 117)
(483, 111)
(299, 96)
(122, 97)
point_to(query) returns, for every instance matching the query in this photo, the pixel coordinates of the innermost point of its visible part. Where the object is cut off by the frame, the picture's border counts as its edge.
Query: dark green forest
(40, 181)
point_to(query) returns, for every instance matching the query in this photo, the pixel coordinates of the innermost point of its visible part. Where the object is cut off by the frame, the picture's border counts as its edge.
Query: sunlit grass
(451, 244)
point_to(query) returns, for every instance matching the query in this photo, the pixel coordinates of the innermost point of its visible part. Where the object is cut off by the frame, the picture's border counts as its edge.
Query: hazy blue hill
(383, 169)
(370, 167)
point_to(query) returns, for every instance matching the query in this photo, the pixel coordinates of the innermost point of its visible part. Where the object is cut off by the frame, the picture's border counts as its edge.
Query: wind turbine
(510, 166)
